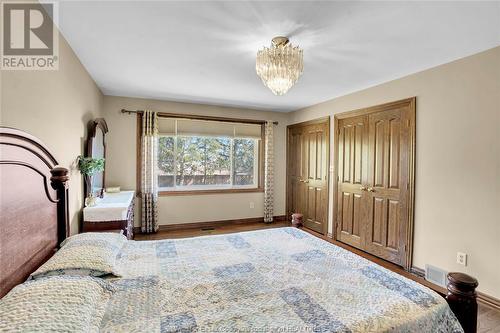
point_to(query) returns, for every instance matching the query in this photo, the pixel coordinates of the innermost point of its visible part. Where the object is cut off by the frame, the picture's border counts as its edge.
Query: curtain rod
(209, 118)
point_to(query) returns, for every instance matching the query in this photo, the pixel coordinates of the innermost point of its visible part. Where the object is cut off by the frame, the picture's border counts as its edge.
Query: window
(208, 155)
(245, 158)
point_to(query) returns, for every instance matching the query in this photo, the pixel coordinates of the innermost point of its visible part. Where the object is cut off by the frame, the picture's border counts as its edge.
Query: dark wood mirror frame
(93, 128)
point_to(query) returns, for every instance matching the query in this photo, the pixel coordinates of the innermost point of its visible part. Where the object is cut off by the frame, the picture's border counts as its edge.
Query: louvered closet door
(352, 177)
(316, 179)
(388, 180)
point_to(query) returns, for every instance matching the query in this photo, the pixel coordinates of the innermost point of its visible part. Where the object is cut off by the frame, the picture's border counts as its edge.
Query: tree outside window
(201, 162)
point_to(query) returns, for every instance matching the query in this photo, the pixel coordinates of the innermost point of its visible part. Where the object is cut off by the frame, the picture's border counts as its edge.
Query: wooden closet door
(297, 171)
(388, 183)
(374, 204)
(316, 180)
(352, 177)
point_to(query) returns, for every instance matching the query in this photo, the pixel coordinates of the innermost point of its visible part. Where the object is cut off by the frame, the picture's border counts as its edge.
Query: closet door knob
(370, 189)
(363, 188)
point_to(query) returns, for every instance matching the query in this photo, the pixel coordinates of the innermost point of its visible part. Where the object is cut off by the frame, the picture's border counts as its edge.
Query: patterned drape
(269, 173)
(149, 179)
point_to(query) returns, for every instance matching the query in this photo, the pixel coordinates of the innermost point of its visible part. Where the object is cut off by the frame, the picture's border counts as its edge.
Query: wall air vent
(435, 275)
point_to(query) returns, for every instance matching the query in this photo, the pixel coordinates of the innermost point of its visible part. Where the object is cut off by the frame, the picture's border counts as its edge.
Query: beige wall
(121, 162)
(458, 157)
(55, 106)
(457, 163)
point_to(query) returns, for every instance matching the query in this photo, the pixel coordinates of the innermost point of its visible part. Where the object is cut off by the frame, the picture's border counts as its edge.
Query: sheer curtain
(269, 173)
(149, 178)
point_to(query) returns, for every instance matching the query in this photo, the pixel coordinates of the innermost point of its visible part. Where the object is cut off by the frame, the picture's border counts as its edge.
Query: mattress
(272, 280)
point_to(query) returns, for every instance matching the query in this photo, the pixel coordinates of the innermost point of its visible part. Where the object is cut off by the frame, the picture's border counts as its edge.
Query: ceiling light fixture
(280, 66)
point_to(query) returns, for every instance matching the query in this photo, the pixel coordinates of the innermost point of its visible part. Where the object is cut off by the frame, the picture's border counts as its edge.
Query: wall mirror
(96, 148)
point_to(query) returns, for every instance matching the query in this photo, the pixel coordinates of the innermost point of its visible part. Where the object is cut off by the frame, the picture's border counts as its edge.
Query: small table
(115, 211)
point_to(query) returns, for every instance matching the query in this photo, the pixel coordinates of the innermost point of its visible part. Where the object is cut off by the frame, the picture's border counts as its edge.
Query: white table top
(112, 207)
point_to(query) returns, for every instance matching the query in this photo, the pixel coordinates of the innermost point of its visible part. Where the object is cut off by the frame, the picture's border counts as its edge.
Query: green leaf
(89, 165)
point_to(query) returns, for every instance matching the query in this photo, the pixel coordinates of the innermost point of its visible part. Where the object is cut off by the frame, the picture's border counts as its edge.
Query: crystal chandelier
(280, 66)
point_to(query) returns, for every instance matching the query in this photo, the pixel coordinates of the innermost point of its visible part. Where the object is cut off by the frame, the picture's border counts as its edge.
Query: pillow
(55, 304)
(90, 254)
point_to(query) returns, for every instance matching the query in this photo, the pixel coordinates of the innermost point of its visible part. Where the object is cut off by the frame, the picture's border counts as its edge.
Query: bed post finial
(462, 299)
(59, 181)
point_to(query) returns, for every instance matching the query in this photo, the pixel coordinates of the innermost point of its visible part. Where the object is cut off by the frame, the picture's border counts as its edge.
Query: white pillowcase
(55, 304)
(87, 254)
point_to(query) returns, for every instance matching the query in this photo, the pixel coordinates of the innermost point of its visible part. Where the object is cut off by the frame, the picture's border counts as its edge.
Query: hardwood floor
(218, 230)
(488, 318)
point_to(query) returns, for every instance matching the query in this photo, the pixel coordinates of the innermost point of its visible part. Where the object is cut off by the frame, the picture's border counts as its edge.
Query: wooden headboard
(33, 206)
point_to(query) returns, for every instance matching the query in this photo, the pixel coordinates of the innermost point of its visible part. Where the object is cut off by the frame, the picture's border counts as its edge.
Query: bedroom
(238, 153)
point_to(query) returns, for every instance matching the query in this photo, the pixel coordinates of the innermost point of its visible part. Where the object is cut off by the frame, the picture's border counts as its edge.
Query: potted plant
(89, 166)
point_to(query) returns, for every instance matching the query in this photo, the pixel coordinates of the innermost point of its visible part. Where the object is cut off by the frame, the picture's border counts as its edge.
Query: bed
(281, 279)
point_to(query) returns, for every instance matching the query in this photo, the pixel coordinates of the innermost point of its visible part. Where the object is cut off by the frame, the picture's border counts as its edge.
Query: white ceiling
(204, 52)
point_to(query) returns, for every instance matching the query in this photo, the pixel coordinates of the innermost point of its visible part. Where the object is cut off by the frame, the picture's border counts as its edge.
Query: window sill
(212, 191)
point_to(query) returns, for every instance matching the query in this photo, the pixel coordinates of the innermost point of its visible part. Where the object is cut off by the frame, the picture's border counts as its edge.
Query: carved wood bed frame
(34, 219)
(33, 206)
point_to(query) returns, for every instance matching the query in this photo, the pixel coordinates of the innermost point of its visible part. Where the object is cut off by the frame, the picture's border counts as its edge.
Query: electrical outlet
(462, 258)
(252, 205)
